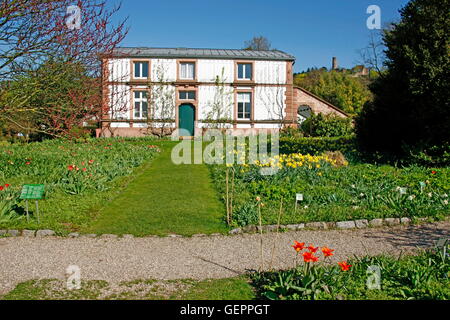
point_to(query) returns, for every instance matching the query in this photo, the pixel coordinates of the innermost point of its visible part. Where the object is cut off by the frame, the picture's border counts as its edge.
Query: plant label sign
(298, 198)
(32, 192)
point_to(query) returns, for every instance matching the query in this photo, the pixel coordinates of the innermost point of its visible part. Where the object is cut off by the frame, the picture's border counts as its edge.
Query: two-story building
(159, 89)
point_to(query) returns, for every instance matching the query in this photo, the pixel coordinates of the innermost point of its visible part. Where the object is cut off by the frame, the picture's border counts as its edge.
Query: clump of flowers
(297, 160)
(4, 187)
(309, 256)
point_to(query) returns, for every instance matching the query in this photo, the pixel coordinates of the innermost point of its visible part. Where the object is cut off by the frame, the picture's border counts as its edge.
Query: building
(155, 90)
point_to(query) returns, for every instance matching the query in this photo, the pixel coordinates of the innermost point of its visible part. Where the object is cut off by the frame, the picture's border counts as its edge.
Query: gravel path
(116, 260)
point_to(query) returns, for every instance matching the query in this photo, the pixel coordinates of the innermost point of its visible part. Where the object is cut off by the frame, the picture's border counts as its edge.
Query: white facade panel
(270, 72)
(270, 103)
(164, 70)
(215, 101)
(120, 125)
(119, 98)
(209, 70)
(119, 70)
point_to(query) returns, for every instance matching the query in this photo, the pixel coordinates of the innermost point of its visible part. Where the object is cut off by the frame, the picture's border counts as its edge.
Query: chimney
(334, 65)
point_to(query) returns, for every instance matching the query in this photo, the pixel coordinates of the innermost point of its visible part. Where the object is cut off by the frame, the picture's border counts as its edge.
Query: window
(303, 112)
(244, 71)
(141, 70)
(187, 70)
(187, 95)
(140, 105)
(244, 105)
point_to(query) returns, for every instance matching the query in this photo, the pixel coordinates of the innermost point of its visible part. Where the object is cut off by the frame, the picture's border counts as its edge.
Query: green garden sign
(33, 192)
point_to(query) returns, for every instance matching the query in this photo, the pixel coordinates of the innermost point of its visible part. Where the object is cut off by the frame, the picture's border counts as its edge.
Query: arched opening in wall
(303, 112)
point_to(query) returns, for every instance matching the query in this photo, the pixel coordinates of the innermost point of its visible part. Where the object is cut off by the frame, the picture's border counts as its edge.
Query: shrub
(318, 145)
(337, 157)
(291, 132)
(326, 126)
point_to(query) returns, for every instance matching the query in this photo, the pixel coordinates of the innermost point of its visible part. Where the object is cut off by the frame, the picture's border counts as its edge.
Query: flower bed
(425, 276)
(77, 178)
(331, 190)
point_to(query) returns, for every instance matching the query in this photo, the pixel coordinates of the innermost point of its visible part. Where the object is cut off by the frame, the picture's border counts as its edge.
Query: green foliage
(50, 99)
(246, 215)
(339, 88)
(421, 277)
(237, 288)
(326, 126)
(411, 110)
(77, 176)
(317, 145)
(356, 191)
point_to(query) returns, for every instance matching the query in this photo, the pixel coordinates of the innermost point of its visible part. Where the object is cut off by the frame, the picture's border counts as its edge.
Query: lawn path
(116, 260)
(163, 199)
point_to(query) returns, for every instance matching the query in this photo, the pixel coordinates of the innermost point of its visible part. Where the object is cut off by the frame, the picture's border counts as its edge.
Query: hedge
(316, 146)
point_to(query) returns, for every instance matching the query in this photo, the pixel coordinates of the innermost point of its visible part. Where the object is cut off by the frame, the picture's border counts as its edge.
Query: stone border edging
(341, 225)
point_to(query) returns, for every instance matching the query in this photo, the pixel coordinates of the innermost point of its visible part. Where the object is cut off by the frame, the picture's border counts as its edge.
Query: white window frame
(187, 94)
(184, 72)
(141, 99)
(141, 69)
(244, 98)
(246, 77)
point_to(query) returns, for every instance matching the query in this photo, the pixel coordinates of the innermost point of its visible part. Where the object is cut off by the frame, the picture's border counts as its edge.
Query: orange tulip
(344, 266)
(309, 257)
(327, 252)
(298, 246)
(312, 249)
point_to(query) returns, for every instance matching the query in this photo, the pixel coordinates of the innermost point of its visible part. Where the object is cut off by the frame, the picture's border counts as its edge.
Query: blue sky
(312, 31)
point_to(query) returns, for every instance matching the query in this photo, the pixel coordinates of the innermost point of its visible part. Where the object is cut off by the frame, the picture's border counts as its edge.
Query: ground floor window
(244, 105)
(140, 105)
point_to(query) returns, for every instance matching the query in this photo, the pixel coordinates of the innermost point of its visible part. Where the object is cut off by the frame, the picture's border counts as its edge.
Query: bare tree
(219, 113)
(373, 56)
(39, 48)
(260, 43)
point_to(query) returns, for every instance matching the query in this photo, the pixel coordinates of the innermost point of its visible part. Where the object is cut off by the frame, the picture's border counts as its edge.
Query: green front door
(186, 116)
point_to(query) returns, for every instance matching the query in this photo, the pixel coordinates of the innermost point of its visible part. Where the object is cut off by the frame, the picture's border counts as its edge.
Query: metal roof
(145, 52)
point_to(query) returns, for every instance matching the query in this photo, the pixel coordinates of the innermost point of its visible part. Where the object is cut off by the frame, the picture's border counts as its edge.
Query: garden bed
(331, 191)
(79, 177)
(424, 276)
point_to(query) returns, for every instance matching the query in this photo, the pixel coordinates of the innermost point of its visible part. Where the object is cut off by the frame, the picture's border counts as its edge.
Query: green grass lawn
(218, 289)
(163, 199)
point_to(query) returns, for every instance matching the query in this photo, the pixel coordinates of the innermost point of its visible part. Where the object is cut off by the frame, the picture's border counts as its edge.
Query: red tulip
(327, 252)
(309, 257)
(344, 266)
(298, 246)
(312, 249)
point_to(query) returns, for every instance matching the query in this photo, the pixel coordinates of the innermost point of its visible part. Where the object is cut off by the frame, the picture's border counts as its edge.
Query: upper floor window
(140, 105)
(140, 70)
(244, 105)
(187, 70)
(187, 95)
(244, 71)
